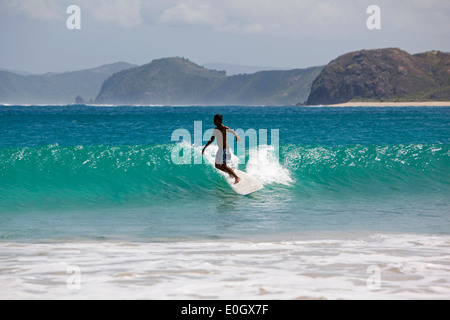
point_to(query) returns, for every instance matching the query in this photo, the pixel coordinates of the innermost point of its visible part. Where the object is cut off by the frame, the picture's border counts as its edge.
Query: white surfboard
(247, 185)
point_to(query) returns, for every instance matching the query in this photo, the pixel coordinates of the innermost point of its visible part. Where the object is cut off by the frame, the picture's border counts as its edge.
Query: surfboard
(247, 185)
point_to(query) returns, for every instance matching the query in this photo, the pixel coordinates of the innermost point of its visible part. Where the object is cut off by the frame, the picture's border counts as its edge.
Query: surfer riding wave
(223, 156)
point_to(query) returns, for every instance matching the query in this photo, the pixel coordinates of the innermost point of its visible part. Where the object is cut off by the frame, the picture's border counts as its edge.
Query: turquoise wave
(60, 176)
(94, 175)
(371, 170)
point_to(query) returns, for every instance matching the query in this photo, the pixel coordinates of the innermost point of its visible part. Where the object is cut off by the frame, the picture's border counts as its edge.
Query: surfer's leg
(226, 169)
(220, 167)
(230, 171)
(222, 157)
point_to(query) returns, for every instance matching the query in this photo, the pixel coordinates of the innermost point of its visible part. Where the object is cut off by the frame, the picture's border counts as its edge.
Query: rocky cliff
(383, 75)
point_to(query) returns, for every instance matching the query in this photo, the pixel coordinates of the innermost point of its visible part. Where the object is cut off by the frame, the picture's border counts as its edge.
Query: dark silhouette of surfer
(223, 156)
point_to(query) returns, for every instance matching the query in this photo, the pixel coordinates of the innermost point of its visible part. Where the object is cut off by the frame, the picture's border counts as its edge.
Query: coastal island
(384, 77)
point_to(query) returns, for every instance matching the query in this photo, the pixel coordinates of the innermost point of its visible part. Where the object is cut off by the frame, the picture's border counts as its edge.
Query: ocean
(109, 202)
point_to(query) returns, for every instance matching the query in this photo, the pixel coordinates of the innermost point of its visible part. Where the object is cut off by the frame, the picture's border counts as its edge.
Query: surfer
(223, 155)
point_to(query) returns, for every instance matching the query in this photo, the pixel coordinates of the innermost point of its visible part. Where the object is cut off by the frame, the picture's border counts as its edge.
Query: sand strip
(394, 104)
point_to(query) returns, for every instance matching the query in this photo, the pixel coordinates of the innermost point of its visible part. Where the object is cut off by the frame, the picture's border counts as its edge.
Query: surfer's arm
(235, 134)
(209, 142)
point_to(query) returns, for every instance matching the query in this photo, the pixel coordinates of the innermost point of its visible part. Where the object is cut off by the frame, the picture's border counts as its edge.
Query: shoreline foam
(374, 266)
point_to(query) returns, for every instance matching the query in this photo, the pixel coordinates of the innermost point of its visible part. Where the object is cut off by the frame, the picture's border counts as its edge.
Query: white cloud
(46, 10)
(126, 13)
(324, 18)
(288, 17)
(192, 13)
(294, 18)
(418, 16)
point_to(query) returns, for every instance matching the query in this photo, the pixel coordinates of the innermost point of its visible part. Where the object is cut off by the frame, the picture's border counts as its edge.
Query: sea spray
(264, 165)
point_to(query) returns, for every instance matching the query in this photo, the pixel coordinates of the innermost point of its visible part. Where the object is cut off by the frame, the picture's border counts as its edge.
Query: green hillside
(266, 87)
(178, 81)
(165, 81)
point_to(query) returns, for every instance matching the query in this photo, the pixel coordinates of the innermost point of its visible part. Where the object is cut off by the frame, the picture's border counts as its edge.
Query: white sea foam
(264, 165)
(334, 266)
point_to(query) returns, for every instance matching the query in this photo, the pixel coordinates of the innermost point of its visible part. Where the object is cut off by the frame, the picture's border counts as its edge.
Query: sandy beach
(394, 104)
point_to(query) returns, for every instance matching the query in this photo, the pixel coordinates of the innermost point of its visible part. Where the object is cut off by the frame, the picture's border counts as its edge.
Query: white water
(263, 164)
(332, 266)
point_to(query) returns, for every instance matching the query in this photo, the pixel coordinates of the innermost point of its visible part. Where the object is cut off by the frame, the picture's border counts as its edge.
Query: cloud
(278, 17)
(323, 18)
(125, 13)
(192, 13)
(292, 18)
(225, 16)
(46, 10)
(418, 16)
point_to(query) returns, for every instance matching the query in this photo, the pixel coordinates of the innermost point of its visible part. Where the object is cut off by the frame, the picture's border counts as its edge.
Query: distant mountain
(164, 81)
(178, 81)
(383, 75)
(20, 72)
(55, 88)
(232, 69)
(265, 88)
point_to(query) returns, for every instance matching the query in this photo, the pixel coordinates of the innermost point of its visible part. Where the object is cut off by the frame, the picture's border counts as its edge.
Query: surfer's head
(218, 119)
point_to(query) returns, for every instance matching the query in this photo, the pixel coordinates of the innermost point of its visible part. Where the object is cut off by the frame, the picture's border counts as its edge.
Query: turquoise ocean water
(70, 173)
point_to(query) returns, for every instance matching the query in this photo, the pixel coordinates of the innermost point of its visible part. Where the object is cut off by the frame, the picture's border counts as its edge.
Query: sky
(34, 35)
